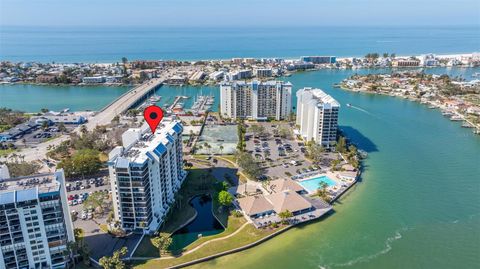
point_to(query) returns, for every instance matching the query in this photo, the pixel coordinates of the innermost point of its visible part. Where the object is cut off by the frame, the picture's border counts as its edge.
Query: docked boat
(155, 98)
(467, 125)
(362, 153)
(456, 118)
(447, 113)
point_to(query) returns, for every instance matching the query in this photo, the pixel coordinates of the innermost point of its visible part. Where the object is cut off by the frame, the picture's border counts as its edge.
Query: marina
(202, 105)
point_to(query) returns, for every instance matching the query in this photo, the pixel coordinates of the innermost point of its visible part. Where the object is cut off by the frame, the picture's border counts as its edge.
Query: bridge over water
(130, 99)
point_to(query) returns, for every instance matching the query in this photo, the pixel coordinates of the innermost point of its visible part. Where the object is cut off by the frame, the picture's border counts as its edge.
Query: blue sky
(238, 12)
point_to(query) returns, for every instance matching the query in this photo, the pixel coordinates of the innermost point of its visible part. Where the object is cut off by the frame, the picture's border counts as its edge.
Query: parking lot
(281, 157)
(77, 193)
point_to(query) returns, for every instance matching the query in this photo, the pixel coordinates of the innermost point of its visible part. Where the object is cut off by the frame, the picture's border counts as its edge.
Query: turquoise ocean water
(418, 202)
(110, 44)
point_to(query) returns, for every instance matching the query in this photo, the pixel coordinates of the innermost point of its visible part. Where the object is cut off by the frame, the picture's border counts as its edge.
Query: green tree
(44, 110)
(315, 151)
(221, 149)
(83, 129)
(225, 198)
(322, 191)
(162, 242)
(98, 201)
(115, 261)
(285, 215)
(341, 144)
(45, 125)
(83, 162)
(61, 127)
(257, 129)
(248, 164)
(285, 132)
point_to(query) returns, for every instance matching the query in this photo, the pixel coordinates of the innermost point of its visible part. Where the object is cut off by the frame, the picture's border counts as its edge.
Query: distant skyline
(249, 13)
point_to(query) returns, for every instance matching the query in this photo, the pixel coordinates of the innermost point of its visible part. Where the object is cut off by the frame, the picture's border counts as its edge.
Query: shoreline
(206, 72)
(287, 58)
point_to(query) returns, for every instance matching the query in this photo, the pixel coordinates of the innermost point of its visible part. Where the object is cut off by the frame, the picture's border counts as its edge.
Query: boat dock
(202, 105)
(176, 106)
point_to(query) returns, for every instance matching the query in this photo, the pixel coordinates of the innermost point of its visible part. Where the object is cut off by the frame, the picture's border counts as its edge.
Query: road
(122, 104)
(103, 117)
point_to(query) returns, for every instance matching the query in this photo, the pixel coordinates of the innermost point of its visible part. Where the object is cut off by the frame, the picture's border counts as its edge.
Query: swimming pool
(311, 185)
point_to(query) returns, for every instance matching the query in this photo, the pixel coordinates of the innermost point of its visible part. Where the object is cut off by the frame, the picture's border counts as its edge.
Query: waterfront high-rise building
(317, 116)
(256, 100)
(35, 224)
(319, 59)
(145, 174)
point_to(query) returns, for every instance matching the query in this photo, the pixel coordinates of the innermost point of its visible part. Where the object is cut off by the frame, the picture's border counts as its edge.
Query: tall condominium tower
(256, 100)
(35, 224)
(145, 174)
(317, 116)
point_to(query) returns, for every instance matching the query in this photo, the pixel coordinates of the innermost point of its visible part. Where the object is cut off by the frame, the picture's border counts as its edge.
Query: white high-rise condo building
(145, 174)
(317, 116)
(256, 100)
(35, 224)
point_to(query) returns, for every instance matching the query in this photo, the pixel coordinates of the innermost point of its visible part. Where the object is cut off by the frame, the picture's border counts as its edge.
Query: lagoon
(204, 224)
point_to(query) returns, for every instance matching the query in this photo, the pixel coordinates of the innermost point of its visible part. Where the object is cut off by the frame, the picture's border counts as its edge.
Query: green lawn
(6, 151)
(247, 235)
(146, 249)
(198, 181)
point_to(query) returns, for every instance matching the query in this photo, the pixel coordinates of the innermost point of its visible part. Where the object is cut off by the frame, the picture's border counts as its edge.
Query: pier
(175, 102)
(130, 99)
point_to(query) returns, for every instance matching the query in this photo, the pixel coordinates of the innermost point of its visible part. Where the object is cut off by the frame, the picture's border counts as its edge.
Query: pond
(204, 224)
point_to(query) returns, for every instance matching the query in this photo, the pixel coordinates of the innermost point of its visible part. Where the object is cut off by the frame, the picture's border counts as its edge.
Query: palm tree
(322, 191)
(285, 215)
(83, 129)
(221, 149)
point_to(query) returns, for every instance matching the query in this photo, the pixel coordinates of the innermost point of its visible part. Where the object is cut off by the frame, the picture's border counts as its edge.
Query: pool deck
(344, 180)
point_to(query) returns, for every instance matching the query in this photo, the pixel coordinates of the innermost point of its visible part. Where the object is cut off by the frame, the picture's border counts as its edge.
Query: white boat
(349, 105)
(155, 98)
(456, 118)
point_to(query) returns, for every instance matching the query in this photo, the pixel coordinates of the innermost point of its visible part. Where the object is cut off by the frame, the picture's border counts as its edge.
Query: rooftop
(252, 205)
(288, 200)
(281, 185)
(255, 82)
(139, 143)
(319, 95)
(25, 188)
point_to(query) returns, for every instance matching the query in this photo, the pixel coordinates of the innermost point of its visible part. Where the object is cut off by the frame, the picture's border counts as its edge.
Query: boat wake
(361, 109)
(388, 247)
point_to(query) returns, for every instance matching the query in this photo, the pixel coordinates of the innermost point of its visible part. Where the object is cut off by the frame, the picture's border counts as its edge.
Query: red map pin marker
(153, 115)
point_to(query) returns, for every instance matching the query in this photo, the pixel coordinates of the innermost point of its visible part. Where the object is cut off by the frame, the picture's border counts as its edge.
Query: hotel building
(35, 224)
(317, 116)
(256, 100)
(145, 174)
(319, 59)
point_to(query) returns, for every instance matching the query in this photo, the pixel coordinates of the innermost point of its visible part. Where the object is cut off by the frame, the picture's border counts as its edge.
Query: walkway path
(234, 165)
(206, 243)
